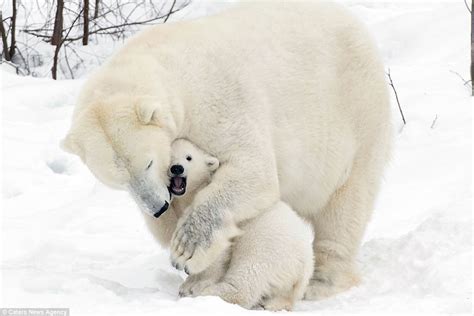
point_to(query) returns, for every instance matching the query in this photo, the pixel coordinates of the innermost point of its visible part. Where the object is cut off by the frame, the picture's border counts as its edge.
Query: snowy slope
(68, 241)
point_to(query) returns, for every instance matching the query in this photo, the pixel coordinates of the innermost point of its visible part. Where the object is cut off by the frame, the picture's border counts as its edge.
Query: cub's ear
(70, 145)
(212, 163)
(150, 113)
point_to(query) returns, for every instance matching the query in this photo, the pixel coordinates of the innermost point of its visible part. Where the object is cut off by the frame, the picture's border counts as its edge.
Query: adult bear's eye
(149, 164)
(189, 158)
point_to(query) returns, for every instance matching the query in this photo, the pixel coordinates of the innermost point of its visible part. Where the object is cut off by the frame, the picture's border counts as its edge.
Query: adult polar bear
(290, 97)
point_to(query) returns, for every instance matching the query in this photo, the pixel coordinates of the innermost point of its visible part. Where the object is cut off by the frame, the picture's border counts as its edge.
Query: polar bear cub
(269, 263)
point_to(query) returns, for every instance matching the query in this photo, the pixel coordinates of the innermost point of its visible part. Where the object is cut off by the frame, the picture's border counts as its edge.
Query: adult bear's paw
(198, 242)
(331, 278)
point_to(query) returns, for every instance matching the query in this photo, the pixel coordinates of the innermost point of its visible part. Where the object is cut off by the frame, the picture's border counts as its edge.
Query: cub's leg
(286, 299)
(272, 256)
(196, 283)
(247, 283)
(246, 280)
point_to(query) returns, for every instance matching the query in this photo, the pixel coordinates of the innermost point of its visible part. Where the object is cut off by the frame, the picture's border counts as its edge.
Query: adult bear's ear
(70, 145)
(147, 113)
(150, 113)
(212, 163)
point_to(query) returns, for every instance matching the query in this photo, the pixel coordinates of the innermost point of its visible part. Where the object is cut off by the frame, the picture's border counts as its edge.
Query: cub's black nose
(177, 169)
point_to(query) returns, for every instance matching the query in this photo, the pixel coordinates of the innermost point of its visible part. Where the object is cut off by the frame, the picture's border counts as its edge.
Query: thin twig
(102, 29)
(467, 6)
(66, 58)
(396, 96)
(464, 80)
(170, 11)
(18, 70)
(434, 121)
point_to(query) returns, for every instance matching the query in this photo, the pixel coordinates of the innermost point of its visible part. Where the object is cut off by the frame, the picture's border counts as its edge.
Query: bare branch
(67, 63)
(115, 27)
(58, 47)
(466, 82)
(396, 96)
(170, 11)
(118, 19)
(434, 121)
(467, 6)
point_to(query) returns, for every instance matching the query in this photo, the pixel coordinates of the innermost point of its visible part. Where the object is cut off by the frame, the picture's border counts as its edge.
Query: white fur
(290, 97)
(271, 262)
(271, 259)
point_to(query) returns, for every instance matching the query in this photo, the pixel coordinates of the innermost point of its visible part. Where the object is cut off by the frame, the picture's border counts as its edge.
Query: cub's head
(126, 142)
(190, 167)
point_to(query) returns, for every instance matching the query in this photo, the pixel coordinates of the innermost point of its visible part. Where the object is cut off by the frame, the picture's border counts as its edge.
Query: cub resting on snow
(271, 260)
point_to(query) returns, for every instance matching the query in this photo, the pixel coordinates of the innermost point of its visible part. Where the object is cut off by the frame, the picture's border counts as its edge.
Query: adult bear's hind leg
(339, 228)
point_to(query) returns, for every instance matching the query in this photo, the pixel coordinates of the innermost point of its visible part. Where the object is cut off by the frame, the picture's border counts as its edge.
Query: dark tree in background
(96, 9)
(472, 47)
(5, 50)
(57, 37)
(9, 51)
(58, 24)
(68, 25)
(13, 30)
(85, 36)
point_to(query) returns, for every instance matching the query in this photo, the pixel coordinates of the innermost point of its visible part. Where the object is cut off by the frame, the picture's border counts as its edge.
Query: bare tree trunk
(13, 31)
(96, 9)
(6, 52)
(57, 38)
(85, 36)
(58, 24)
(54, 69)
(472, 47)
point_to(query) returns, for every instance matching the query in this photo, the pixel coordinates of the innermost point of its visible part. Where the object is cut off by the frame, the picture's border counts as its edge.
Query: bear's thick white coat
(290, 97)
(255, 271)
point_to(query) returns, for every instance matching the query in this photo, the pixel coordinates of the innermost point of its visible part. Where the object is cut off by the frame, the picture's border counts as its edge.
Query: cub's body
(270, 260)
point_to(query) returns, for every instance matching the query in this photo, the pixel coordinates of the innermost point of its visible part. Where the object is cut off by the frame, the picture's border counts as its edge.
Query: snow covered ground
(68, 241)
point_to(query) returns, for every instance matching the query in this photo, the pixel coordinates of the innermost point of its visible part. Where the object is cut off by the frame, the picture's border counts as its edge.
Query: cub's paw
(278, 304)
(231, 294)
(194, 285)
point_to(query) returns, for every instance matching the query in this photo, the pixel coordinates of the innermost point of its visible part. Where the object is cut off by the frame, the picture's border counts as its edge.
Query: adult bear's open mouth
(178, 185)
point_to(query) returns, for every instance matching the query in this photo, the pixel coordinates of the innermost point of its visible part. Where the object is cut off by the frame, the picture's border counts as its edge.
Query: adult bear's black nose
(177, 169)
(162, 210)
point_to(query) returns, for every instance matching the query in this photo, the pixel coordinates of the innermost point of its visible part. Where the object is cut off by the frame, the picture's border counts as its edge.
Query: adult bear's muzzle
(152, 199)
(161, 210)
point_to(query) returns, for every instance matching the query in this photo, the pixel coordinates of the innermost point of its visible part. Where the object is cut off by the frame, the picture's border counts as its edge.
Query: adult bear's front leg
(239, 190)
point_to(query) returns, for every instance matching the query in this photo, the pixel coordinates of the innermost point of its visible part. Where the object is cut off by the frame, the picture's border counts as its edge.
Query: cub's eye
(149, 164)
(189, 158)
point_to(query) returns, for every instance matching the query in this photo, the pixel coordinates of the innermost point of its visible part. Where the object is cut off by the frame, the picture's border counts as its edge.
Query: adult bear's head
(125, 141)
